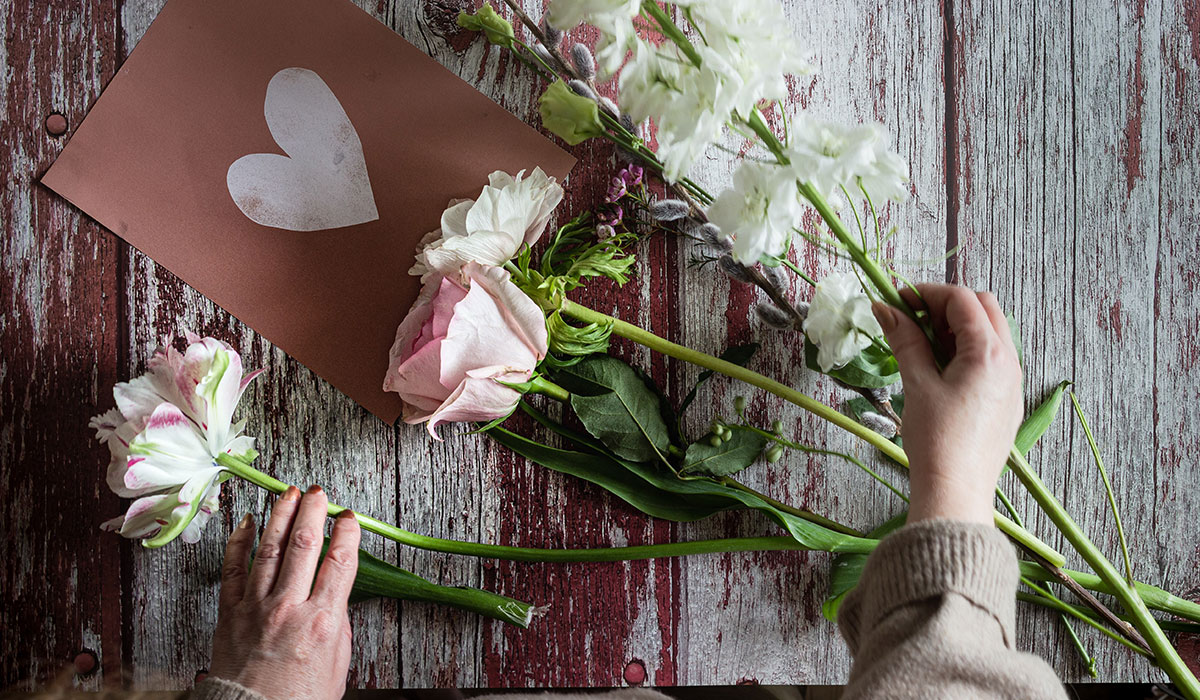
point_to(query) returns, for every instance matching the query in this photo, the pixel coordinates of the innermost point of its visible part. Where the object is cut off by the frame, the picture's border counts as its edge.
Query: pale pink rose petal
(410, 328)
(444, 302)
(476, 399)
(482, 334)
(416, 379)
(523, 314)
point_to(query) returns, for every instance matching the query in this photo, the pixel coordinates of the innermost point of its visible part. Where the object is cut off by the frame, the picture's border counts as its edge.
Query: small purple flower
(610, 214)
(616, 190)
(605, 232)
(631, 175)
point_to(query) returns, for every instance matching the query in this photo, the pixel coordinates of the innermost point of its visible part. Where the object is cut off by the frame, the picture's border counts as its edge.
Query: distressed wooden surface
(1070, 179)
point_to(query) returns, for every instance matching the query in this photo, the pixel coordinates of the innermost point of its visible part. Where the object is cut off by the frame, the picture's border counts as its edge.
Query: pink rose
(458, 343)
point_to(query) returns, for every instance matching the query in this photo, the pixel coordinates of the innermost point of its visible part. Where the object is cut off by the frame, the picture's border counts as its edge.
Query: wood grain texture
(59, 344)
(1070, 181)
(1064, 182)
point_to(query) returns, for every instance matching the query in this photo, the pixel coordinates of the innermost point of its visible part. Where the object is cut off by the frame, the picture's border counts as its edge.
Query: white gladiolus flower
(834, 156)
(759, 211)
(840, 322)
(510, 212)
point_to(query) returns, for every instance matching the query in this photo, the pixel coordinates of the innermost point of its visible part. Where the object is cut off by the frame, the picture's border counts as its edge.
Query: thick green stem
(1164, 652)
(729, 369)
(243, 470)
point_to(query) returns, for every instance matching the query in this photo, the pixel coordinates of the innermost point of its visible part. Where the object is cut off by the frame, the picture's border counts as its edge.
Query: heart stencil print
(322, 182)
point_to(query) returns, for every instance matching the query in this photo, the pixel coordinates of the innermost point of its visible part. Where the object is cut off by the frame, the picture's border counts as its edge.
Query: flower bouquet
(501, 328)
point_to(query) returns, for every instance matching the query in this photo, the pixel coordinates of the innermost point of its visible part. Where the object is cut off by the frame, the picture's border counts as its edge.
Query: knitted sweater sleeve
(933, 617)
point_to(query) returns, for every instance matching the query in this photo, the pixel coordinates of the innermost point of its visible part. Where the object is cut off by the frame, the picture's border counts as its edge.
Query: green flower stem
(798, 512)
(1045, 597)
(670, 30)
(1129, 595)
(243, 470)
(1153, 596)
(729, 369)
(541, 385)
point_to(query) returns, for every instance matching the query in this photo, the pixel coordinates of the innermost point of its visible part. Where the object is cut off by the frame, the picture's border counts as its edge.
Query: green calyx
(498, 30)
(573, 118)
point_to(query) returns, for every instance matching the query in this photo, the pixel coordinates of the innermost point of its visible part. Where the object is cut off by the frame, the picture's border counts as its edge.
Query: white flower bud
(710, 234)
(581, 88)
(581, 56)
(543, 54)
(879, 423)
(773, 316)
(669, 209)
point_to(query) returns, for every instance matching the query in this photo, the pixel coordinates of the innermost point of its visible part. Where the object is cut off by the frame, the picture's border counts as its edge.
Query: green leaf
(873, 368)
(846, 570)
(615, 405)
(730, 457)
(1015, 332)
(737, 354)
(609, 474)
(378, 579)
(709, 492)
(1040, 420)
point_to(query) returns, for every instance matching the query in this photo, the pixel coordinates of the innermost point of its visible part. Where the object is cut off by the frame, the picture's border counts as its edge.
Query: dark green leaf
(615, 405)
(737, 354)
(807, 533)
(609, 474)
(873, 368)
(846, 570)
(379, 579)
(1040, 420)
(1015, 332)
(727, 458)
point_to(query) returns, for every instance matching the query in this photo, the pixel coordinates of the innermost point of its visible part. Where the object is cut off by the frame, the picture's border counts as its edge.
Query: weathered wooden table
(1056, 143)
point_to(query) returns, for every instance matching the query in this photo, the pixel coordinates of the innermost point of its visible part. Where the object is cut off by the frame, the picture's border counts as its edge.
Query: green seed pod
(739, 404)
(715, 441)
(777, 427)
(774, 454)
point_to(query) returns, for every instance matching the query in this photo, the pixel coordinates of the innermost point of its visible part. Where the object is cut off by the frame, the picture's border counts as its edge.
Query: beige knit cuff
(220, 689)
(929, 559)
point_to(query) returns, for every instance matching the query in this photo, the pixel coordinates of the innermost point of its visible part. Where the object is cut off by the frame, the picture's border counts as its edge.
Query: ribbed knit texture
(220, 689)
(933, 617)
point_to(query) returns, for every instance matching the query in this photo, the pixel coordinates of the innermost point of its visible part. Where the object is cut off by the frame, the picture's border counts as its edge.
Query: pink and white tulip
(459, 342)
(165, 433)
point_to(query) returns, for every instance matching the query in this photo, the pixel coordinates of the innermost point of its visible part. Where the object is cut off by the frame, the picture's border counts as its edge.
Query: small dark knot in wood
(85, 662)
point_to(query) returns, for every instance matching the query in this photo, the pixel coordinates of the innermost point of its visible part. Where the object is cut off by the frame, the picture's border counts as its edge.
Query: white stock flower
(759, 211)
(745, 55)
(834, 156)
(166, 432)
(510, 211)
(614, 19)
(840, 322)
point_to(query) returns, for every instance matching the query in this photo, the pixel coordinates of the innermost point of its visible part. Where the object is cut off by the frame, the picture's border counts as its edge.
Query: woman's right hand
(959, 423)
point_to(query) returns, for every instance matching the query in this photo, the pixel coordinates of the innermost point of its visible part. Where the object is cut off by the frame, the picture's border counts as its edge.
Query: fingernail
(883, 314)
(313, 490)
(292, 493)
(247, 522)
(348, 514)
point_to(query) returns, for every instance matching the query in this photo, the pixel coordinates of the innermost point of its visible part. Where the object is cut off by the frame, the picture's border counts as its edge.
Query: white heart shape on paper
(322, 182)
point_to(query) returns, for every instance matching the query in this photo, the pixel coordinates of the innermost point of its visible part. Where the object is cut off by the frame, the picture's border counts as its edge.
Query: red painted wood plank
(61, 579)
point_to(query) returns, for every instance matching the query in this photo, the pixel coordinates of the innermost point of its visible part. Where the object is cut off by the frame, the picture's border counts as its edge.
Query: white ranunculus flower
(834, 156)
(759, 211)
(510, 212)
(840, 322)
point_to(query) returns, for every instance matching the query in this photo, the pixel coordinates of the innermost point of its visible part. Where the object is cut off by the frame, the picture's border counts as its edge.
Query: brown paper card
(311, 251)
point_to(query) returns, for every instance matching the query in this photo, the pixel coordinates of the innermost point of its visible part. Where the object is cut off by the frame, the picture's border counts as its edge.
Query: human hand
(279, 633)
(959, 424)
